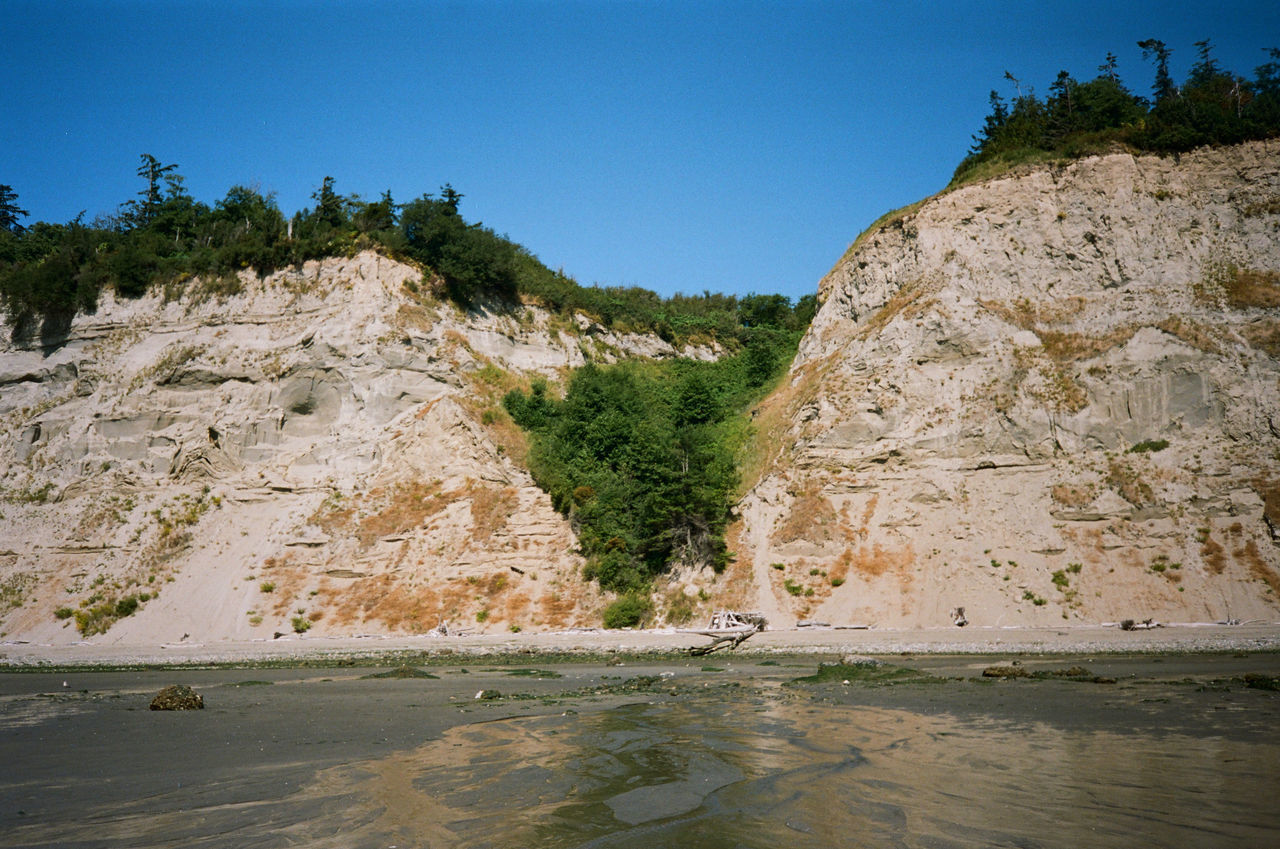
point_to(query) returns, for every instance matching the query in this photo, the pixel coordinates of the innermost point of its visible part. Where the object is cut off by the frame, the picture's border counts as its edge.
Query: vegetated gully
(720, 751)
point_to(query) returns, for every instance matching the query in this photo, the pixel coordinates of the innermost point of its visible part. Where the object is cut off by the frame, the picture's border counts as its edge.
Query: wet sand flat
(722, 752)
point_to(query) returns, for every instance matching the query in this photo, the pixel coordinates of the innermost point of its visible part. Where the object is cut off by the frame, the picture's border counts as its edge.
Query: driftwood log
(728, 629)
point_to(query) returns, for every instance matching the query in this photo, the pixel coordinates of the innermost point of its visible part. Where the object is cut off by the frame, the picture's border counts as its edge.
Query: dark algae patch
(531, 673)
(871, 672)
(1258, 681)
(402, 672)
(1072, 673)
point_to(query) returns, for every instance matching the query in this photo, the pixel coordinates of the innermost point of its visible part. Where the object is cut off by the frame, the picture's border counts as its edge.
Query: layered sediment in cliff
(323, 448)
(1051, 397)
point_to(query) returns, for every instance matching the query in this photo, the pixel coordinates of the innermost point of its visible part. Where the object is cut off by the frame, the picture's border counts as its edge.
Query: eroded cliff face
(320, 449)
(976, 416)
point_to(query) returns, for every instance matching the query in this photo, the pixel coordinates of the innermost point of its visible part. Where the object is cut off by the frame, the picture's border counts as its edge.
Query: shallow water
(701, 773)
(701, 758)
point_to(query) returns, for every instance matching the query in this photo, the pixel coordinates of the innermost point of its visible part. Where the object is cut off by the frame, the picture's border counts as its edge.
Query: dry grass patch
(557, 609)
(415, 317)
(385, 598)
(491, 507)
(769, 444)
(1051, 383)
(812, 517)
(734, 585)
(874, 561)
(1072, 495)
(909, 301)
(1198, 336)
(405, 506)
(1128, 484)
(1070, 347)
(1264, 335)
(1258, 567)
(1248, 288)
(1214, 555)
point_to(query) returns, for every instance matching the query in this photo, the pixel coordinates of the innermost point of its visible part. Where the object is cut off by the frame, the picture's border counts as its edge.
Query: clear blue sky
(681, 146)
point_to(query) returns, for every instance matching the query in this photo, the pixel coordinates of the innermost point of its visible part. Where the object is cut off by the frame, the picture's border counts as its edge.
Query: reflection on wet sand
(770, 772)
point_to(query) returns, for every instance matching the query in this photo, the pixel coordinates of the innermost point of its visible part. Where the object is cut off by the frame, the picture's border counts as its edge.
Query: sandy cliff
(1051, 398)
(319, 445)
(960, 424)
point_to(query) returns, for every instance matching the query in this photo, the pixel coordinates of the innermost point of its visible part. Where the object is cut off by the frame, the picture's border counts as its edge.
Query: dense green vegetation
(166, 238)
(641, 455)
(1213, 106)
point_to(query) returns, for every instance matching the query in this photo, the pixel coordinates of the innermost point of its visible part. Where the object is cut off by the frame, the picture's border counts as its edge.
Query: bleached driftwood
(728, 629)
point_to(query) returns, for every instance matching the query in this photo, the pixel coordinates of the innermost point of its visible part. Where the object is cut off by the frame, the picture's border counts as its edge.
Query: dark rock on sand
(178, 697)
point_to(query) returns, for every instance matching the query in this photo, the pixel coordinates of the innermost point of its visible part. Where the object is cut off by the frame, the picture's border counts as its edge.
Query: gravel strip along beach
(1172, 637)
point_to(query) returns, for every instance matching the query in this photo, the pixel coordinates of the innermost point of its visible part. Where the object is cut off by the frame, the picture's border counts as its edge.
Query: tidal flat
(1163, 750)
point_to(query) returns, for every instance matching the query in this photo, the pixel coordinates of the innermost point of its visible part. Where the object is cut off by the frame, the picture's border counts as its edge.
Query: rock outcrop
(322, 450)
(1050, 397)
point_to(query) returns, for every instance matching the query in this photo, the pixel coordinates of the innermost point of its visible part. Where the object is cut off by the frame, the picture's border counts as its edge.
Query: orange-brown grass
(811, 518)
(733, 586)
(1251, 288)
(1215, 556)
(385, 598)
(1071, 495)
(769, 444)
(839, 571)
(557, 609)
(1125, 480)
(289, 577)
(405, 505)
(1258, 567)
(876, 561)
(491, 507)
(1196, 335)
(514, 608)
(1021, 314)
(867, 513)
(909, 301)
(1070, 347)
(1264, 335)
(413, 316)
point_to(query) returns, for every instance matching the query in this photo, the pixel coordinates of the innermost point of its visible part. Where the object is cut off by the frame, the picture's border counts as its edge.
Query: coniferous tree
(1156, 50)
(10, 212)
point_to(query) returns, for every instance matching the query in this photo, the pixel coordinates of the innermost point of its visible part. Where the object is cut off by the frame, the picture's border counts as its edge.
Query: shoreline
(303, 650)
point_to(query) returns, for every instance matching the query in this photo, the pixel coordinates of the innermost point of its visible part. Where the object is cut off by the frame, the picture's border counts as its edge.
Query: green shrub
(629, 611)
(301, 624)
(641, 457)
(63, 613)
(1149, 446)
